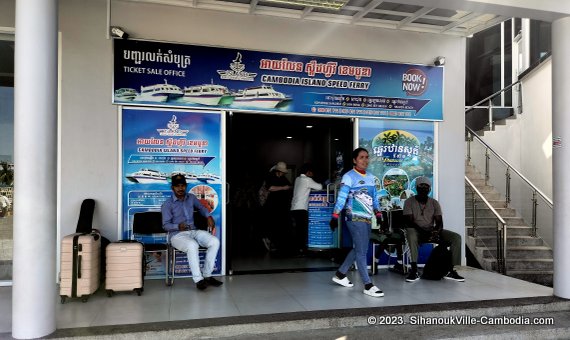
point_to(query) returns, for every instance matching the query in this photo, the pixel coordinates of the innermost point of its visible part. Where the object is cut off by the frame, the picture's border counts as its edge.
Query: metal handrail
(485, 201)
(501, 228)
(510, 167)
(492, 96)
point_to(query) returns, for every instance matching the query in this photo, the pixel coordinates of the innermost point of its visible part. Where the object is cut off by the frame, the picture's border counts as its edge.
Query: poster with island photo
(400, 151)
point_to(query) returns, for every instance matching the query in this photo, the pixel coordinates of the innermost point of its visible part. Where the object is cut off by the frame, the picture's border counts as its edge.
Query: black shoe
(202, 284)
(397, 268)
(454, 276)
(413, 276)
(213, 282)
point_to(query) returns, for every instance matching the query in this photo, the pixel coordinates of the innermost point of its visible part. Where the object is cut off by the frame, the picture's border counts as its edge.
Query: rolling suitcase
(79, 265)
(125, 267)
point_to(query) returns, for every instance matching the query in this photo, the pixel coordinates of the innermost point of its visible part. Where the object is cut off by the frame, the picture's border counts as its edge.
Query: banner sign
(320, 235)
(400, 152)
(192, 76)
(158, 143)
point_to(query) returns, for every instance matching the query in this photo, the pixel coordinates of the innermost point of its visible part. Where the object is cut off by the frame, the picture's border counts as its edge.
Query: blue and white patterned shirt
(358, 195)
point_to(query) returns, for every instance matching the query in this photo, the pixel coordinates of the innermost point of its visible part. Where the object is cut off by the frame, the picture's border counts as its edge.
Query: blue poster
(400, 152)
(193, 76)
(157, 143)
(320, 235)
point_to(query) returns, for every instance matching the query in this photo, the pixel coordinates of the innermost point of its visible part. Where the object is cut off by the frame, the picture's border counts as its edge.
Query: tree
(6, 174)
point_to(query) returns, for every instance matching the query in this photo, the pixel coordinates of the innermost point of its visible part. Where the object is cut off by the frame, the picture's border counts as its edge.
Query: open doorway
(255, 143)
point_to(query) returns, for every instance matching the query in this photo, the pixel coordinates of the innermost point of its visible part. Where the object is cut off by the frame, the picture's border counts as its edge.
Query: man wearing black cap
(425, 224)
(178, 221)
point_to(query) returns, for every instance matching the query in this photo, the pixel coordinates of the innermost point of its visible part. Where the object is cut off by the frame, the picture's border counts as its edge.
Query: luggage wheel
(84, 299)
(109, 293)
(139, 291)
(62, 299)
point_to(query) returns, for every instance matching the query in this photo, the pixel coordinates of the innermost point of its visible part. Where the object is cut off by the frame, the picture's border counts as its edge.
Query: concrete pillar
(561, 154)
(35, 160)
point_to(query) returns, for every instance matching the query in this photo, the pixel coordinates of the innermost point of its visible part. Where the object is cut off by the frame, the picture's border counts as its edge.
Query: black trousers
(300, 228)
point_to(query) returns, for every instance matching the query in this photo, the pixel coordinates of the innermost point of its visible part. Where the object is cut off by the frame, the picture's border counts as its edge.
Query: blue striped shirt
(175, 211)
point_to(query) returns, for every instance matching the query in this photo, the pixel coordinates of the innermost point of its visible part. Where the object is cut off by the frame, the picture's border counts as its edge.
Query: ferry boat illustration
(362, 205)
(145, 176)
(126, 94)
(209, 178)
(190, 177)
(160, 92)
(263, 96)
(206, 94)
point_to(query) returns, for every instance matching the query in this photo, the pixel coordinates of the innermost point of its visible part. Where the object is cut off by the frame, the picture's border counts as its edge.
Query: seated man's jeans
(415, 237)
(189, 242)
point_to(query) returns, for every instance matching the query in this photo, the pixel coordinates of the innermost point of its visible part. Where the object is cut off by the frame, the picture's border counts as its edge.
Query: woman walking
(358, 196)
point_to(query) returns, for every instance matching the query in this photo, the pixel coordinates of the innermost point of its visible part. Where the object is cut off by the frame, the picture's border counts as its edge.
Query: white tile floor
(272, 293)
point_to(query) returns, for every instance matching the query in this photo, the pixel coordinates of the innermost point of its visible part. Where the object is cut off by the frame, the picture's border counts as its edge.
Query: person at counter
(178, 221)
(358, 196)
(422, 215)
(300, 205)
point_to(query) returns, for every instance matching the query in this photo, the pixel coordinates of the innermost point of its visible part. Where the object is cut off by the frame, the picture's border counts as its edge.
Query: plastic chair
(391, 236)
(145, 225)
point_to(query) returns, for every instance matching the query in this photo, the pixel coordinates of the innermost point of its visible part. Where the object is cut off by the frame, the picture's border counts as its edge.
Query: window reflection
(6, 157)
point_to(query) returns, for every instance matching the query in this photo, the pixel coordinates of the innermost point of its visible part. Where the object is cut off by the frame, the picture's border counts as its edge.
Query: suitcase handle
(79, 267)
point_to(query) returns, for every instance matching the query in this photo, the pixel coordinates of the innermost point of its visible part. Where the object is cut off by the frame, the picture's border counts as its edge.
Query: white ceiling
(374, 13)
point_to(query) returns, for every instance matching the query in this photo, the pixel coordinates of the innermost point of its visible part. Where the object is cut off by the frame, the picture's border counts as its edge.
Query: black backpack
(438, 264)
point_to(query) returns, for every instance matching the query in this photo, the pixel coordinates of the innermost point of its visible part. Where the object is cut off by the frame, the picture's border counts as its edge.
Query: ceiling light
(309, 126)
(336, 139)
(289, 137)
(328, 4)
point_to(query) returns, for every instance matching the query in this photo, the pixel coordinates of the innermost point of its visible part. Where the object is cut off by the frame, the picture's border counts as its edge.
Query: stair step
(492, 221)
(512, 241)
(470, 170)
(477, 182)
(544, 278)
(492, 230)
(529, 252)
(498, 203)
(482, 188)
(492, 196)
(486, 212)
(522, 265)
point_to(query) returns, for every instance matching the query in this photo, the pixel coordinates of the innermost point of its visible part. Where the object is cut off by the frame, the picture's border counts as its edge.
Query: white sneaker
(343, 282)
(374, 292)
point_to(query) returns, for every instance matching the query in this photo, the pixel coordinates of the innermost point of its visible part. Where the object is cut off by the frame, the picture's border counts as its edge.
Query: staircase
(528, 257)
(478, 118)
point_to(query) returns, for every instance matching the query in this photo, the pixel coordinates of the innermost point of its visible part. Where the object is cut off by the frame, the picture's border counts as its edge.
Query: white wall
(89, 149)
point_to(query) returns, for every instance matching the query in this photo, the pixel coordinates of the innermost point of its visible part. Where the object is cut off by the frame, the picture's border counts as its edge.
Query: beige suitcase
(80, 265)
(125, 267)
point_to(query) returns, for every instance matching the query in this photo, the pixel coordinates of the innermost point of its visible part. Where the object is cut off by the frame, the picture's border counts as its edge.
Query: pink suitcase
(79, 265)
(124, 267)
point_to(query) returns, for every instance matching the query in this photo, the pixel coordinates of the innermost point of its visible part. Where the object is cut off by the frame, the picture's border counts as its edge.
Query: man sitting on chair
(178, 221)
(424, 223)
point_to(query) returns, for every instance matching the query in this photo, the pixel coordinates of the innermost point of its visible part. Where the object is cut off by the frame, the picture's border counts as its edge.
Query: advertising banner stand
(158, 143)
